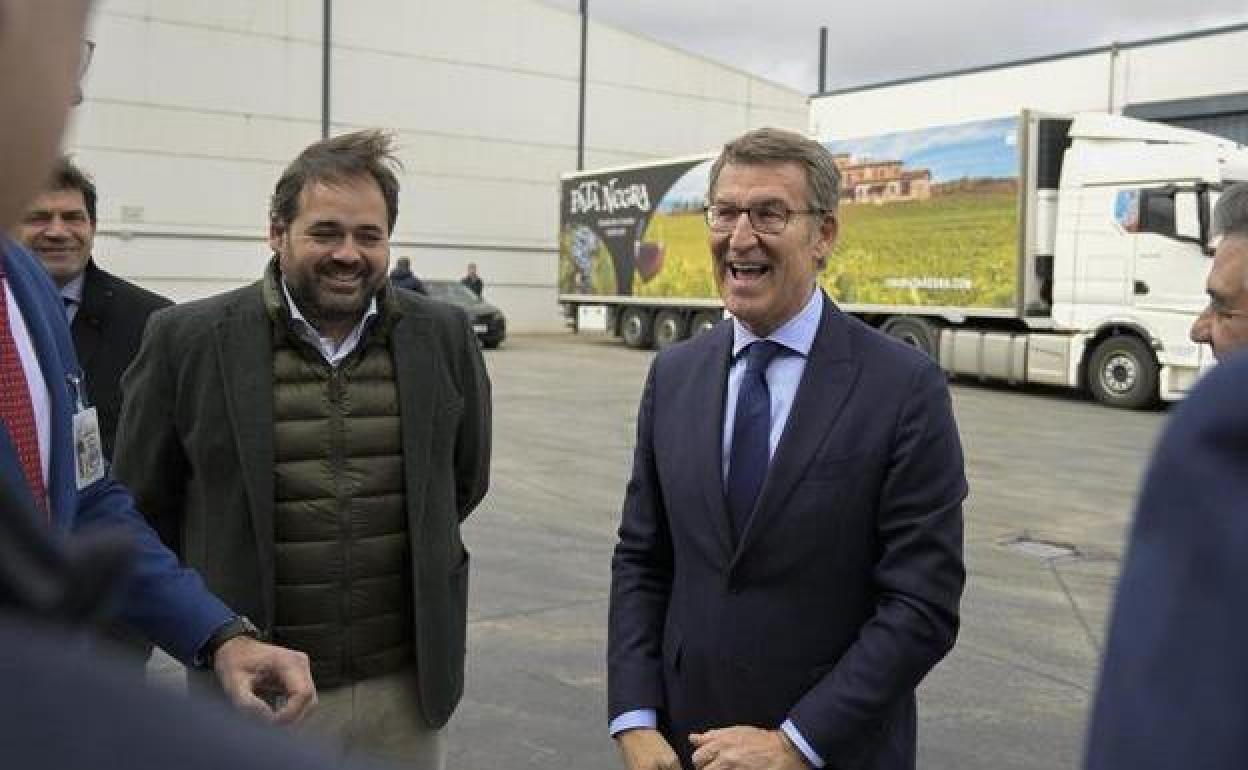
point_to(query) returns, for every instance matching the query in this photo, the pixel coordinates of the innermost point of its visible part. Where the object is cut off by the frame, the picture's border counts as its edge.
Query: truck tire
(635, 328)
(704, 321)
(914, 331)
(1122, 372)
(669, 328)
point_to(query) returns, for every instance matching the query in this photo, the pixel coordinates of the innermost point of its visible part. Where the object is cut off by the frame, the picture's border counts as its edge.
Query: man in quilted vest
(312, 442)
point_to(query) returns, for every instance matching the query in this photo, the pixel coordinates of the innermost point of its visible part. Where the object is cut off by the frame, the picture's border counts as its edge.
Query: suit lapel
(707, 431)
(416, 372)
(91, 318)
(826, 384)
(245, 358)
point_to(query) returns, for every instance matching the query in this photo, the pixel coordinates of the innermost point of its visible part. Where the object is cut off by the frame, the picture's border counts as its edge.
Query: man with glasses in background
(789, 563)
(1223, 325)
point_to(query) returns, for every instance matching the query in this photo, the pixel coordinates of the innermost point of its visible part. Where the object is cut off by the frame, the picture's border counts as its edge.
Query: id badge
(88, 451)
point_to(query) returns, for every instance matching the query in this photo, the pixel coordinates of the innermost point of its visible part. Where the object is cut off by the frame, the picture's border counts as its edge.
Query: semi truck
(1066, 250)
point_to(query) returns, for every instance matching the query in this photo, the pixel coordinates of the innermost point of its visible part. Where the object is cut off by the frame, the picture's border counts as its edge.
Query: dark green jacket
(195, 444)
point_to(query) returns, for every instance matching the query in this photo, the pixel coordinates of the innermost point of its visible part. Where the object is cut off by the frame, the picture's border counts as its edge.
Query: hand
(745, 748)
(250, 670)
(646, 749)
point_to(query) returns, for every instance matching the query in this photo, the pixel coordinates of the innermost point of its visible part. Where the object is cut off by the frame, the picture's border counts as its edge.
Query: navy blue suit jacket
(167, 602)
(1173, 684)
(842, 592)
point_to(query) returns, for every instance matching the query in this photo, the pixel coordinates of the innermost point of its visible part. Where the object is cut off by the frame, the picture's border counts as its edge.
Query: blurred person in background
(106, 314)
(403, 277)
(473, 281)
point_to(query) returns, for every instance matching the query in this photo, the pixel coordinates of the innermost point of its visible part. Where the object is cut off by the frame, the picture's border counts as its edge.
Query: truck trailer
(1067, 250)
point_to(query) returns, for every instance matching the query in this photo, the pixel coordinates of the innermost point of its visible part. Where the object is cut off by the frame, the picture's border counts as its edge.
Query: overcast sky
(876, 40)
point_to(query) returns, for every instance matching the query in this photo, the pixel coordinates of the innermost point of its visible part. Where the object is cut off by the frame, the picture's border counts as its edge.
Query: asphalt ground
(1053, 477)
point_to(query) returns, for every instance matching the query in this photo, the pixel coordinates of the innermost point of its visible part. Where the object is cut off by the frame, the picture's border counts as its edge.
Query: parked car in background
(487, 321)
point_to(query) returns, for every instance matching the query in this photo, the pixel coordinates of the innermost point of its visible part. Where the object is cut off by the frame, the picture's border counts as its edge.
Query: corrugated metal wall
(193, 108)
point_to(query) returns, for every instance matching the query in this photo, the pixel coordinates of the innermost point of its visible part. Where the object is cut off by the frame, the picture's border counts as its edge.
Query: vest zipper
(342, 502)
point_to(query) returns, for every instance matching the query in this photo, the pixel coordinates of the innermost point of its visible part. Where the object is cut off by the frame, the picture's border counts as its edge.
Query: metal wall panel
(194, 108)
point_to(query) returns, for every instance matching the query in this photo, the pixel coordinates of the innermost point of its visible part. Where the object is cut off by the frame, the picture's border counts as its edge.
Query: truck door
(1103, 253)
(1171, 261)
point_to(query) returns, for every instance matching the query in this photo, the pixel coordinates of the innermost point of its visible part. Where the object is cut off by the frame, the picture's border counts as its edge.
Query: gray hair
(770, 146)
(1230, 215)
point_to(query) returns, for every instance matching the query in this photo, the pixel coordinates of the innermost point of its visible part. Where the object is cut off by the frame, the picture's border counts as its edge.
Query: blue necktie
(751, 431)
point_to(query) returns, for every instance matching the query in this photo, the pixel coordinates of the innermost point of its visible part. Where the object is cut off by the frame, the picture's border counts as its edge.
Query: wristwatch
(239, 625)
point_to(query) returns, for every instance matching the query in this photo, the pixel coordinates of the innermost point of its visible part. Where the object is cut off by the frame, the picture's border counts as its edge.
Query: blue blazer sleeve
(164, 600)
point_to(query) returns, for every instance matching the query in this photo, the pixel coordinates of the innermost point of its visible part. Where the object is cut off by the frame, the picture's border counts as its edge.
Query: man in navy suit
(1171, 692)
(789, 563)
(50, 457)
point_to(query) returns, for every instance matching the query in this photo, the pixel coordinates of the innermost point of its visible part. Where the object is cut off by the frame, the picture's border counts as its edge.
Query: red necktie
(16, 409)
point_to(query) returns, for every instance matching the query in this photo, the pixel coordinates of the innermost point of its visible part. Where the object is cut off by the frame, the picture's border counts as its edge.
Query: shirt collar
(306, 330)
(72, 291)
(797, 334)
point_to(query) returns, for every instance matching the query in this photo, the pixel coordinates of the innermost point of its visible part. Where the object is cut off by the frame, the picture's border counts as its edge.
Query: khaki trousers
(377, 718)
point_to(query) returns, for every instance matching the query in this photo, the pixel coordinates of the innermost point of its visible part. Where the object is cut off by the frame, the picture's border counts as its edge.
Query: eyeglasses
(1223, 313)
(766, 219)
(84, 57)
(1229, 315)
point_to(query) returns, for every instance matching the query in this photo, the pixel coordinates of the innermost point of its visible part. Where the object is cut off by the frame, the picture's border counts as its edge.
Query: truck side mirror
(1208, 199)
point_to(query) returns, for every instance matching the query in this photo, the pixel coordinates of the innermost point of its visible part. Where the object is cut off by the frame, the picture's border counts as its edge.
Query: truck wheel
(704, 321)
(635, 328)
(1122, 372)
(669, 328)
(915, 332)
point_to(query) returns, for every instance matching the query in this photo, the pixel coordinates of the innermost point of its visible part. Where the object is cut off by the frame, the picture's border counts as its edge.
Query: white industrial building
(193, 109)
(1198, 80)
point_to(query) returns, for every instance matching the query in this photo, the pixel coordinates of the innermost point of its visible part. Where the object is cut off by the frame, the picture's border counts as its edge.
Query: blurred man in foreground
(51, 460)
